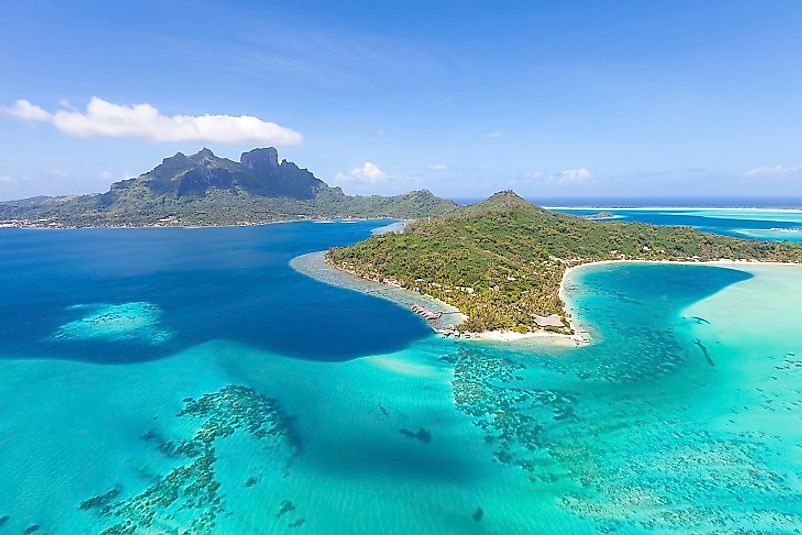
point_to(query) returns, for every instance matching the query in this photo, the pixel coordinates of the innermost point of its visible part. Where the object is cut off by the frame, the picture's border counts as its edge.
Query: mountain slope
(203, 189)
(501, 261)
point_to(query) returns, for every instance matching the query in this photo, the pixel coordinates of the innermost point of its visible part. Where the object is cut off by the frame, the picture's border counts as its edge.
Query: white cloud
(573, 175)
(64, 103)
(369, 173)
(494, 135)
(776, 171)
(6, 179)
(57, 174)
(144, 121)
(438, 167)
(22, 109)
(566, 176)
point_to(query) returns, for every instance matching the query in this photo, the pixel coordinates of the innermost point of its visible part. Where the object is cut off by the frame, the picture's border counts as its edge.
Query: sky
(551, 99)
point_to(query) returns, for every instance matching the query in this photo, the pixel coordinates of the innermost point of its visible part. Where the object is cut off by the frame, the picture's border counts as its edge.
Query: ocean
(750, 223)
(190, 380)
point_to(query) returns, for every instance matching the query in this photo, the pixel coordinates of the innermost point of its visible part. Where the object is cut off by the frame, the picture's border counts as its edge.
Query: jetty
(425, 313)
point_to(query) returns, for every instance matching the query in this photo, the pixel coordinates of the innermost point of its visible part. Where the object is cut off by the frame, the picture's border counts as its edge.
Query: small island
(601, 215)
(502, 261)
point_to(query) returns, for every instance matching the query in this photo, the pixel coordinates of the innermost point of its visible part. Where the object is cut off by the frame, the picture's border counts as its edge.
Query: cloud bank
(369, 173)
(144, 121)
(566, 176)
(776, 171)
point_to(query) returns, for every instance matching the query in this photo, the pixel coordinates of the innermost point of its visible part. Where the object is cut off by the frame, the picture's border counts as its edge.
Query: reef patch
(189, 498)
(135, 321)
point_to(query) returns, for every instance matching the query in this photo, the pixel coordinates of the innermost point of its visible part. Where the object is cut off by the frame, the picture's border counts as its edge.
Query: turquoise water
(161, 380)
(751, 223)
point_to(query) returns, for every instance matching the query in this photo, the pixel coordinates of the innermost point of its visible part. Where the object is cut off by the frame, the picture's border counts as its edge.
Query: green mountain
(203, 189)
(501, 261)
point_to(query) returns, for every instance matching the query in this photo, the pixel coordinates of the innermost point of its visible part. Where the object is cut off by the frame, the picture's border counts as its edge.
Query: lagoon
(158, 379)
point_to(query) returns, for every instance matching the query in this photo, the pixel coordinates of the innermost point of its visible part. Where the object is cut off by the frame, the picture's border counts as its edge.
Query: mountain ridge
(203, 189)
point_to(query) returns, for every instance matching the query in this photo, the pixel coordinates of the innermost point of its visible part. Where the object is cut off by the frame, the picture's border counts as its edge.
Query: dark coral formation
(288, 508)
(100, 501)
(423, 435)
(627, 463)
(478, 515)
(189, 496)
(482, 391)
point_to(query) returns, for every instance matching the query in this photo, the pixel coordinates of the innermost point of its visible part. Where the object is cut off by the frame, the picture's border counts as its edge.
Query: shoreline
(315, 266)
(190, 227)
(402, 296)
(581, 332)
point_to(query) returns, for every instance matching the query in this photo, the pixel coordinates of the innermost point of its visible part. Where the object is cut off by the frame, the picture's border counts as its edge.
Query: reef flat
(118, 322)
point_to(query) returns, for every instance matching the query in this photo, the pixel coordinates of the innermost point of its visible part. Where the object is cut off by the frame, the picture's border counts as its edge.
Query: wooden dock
(425, 313)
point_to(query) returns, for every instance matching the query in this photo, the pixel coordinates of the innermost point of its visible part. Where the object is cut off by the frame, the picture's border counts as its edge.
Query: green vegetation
(501, 261)
(204, 190)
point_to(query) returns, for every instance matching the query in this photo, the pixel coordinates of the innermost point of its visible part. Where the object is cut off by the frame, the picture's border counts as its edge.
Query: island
(205, 190)
(601, 215)
(501, 262)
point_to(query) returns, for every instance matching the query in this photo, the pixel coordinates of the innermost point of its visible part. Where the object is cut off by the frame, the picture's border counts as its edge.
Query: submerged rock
(100, 501)
(424, 435)
(478, 515)
(286, 507)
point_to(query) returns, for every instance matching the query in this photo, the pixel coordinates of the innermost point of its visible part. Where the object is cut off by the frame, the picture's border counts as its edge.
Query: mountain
(501, 261)
(204, 189)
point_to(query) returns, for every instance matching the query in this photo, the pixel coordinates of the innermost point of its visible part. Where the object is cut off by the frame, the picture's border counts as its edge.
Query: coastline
(315, 266)
(231, 225)
(581, 332)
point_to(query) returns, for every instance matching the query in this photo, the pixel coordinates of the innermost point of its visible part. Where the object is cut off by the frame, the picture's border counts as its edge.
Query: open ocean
(190, 380)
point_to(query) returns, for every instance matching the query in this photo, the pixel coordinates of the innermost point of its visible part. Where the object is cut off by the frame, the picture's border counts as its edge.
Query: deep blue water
(229, 283)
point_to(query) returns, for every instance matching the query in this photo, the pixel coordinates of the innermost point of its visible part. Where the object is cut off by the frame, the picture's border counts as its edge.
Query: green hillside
(501, 261)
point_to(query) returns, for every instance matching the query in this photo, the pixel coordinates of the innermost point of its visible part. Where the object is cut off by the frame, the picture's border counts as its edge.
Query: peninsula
(501, 262)
(206, 190)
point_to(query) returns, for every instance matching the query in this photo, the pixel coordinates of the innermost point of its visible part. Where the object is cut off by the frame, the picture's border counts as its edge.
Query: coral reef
(189, 497)
(135, 321)
(629, 468)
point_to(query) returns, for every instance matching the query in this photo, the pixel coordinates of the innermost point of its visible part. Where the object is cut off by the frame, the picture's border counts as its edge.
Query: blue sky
(551, 99)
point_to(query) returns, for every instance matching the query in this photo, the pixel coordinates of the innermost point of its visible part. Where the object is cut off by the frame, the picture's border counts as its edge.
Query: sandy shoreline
(581, 334)
(314, 265)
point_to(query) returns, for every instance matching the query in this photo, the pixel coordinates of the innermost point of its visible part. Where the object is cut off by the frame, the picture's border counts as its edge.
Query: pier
(429, 315)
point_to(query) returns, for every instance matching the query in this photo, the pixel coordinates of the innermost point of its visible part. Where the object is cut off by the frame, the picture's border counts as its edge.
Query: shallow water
(247, 398)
